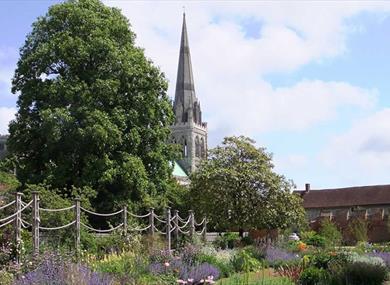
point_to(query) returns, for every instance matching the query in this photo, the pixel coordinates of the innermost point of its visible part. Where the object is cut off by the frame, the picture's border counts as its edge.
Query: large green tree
(237, 188)
(92, 109)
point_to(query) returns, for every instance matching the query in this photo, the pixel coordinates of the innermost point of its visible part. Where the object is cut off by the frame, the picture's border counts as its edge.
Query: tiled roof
(346, 197)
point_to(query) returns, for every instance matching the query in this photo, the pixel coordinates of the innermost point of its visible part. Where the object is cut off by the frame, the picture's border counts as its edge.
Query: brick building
(370, 204)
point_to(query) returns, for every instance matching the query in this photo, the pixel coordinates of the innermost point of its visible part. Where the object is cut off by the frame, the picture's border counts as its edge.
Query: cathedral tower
(189, 130)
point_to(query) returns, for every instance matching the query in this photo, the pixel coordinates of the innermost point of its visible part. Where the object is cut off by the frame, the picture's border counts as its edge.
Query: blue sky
(307, 80)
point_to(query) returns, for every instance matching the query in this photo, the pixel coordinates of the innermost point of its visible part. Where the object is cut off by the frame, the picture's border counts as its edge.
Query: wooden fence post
(192, 223)
(205, 229)
(168, 228)
(151, 221)
(124, 221)
(77, 224)
(18, 224)
(176, 225)
(35, 222)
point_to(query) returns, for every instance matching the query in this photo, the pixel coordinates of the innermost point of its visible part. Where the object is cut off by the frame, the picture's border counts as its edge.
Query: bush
(225, 267)
(6, 278)
(359, 230)
(243, 261)
(314, 239)
(314, 276)
(124, 265)
(330, 232)
(276, 256)
(62, 272)
(245, 241)
(362, 273)
(227, 240)
(325, 260)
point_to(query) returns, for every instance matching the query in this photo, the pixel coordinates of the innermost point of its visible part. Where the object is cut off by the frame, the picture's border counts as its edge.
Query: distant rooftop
(346, 197)
(178, 171)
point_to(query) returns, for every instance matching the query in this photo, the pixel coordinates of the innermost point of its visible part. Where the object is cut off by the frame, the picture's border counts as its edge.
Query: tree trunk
(241, 232)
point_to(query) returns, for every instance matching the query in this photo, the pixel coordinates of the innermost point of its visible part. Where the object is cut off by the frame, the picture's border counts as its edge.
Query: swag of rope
(168, 225)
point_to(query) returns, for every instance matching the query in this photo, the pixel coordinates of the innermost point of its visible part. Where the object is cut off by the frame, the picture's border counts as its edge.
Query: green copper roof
(178, 171)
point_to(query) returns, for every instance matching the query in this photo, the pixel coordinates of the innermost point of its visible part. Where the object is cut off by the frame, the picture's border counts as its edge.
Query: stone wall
(376, 219)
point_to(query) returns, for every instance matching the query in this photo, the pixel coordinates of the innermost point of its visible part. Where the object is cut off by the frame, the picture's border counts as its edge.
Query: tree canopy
(92, 109)
(237, 188)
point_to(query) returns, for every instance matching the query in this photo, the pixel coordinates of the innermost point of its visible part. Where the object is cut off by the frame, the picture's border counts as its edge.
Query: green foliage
(236, 187)
(361, 273)
(8, 181)
(127, 264)
(225, 267)
(359, 229)
(312, 238)
(227, 240)
(54, 199)
(243, 261)
(314, 276)
(325, 259)
(93, 110)
(254, 279)
(6, 278)
(330, 232)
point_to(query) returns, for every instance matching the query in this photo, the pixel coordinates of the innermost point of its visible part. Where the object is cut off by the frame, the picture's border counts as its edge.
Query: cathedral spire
(185, 91)
(189, 130)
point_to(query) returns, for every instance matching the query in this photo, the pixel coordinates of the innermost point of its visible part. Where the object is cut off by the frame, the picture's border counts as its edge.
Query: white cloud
(229, 67)
(6, 115)
(297, 107)
(362, 154)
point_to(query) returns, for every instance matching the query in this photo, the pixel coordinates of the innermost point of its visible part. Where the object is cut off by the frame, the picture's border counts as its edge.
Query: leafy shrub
(323, 259)
(243, 261)
(225, 267)
(313, 276)
(245, 279)
(330, 232)
(245, 241)
(314, 239)
(257, 252)
(359, 230)
(6, 278)
(124, 265)
(227, 240)
(361, 273)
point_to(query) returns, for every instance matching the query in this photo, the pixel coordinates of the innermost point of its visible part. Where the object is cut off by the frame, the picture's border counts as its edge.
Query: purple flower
(199, 273)
(384, 255)
(62, 273)
(273, 254)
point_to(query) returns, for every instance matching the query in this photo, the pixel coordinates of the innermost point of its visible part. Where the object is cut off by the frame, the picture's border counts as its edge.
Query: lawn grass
(264, 277)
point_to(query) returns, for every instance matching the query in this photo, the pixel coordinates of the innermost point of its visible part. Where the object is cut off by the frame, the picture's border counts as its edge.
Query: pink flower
(166, 264)
(181, 281)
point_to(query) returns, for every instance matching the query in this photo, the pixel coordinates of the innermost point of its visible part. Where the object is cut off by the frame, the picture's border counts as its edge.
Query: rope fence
(168, 225)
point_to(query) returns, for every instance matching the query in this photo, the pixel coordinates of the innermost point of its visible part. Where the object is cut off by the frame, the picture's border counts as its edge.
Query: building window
(2, 146)
(197, 147)
(185, 149)
(202, 148)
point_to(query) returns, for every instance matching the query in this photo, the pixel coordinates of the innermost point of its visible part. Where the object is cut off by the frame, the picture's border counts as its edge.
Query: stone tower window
(185, 149)
(197, 147)
(2, 146)
(202, 148)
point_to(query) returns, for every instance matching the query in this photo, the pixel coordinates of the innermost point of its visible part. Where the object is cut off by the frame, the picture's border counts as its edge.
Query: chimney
(307, 187)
